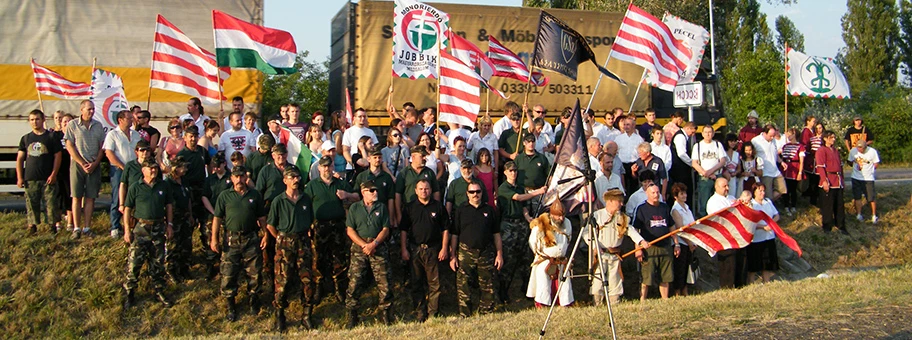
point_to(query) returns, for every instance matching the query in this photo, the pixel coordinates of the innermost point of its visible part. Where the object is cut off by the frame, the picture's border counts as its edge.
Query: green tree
(904, 44)
(309, 88)
(871, 32)
(788, 33)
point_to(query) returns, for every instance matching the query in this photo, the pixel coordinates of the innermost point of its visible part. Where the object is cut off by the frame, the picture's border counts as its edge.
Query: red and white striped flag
(646, 41)
(508, 65)
(732, 228)
(459, 91)
(349, 114)
(53, 84)
(179, 65)
(471, 55)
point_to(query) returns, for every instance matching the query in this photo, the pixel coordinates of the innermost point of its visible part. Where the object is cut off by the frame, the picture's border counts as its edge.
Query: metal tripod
(565, 274)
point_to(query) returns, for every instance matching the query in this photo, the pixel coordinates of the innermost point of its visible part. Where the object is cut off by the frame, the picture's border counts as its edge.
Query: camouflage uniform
(379, 266)
(148, 246)
(179, 248)
(35, 192)
(294, 255)
(330, 247)
(475, 266)
(242, 251)
(517, 255)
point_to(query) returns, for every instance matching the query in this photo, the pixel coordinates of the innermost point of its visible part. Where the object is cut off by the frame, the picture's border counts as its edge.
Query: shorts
(82, 184)
(776, 184)
(658, 259)
(762, 256)
(863, 188)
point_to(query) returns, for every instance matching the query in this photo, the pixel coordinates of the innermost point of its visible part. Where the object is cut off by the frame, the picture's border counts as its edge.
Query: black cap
(528, 138)
(325, 161)
(368, 185)
(192, 129)
(291, 171)
(239, 171)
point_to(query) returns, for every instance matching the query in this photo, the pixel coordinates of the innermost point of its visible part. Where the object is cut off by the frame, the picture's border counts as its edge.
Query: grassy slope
(56, 287)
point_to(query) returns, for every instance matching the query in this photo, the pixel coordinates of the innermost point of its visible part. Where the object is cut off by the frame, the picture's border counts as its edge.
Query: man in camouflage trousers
(512, 199)
(217, 182)
(368, 226)
(179, 248)
(289, 221)
(331, 246)
(475, 232)
(148, 213)
(244, 214)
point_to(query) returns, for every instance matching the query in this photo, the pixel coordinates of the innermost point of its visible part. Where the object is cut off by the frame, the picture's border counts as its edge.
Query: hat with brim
(753, 114)
(325, 161)
(239, 171)
(366, 185)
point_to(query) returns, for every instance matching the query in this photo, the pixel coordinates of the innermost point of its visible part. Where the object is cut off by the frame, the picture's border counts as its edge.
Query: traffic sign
(688, 95)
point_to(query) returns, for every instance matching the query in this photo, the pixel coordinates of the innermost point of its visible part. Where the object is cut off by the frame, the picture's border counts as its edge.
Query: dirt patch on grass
(886, 322)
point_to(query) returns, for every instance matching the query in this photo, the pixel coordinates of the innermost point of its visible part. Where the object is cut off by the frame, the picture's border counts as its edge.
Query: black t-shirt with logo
(854, 134)
(654, 221)
(39, 151)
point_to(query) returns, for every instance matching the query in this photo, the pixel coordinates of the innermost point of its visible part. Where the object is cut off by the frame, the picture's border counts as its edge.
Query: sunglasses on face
(172, 127)
(538, 111)
(371, 190)
(474, 192)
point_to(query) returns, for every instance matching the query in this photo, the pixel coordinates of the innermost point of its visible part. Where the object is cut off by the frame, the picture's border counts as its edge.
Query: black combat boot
(280, 320)
(163, 299)
(231, 309)
(254, 305)
(129, 299)
(307, 318)
(211, 272)
(386, 316)
(352, 319)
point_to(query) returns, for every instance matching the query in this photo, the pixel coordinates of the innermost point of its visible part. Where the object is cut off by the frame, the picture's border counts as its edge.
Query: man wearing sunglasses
(476, 251)
(512, 199)
(132, 172)
(368, 227)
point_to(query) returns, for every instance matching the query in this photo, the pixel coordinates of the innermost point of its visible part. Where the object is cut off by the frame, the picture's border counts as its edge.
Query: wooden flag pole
(40, 101)
(674, 232)
(487, 100)
(437, 116)
(785, 71)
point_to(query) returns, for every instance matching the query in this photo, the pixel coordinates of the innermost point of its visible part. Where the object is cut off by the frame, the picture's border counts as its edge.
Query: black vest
(677, 165)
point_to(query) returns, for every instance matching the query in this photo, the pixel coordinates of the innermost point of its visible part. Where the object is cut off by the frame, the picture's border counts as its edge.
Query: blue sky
(309, 21)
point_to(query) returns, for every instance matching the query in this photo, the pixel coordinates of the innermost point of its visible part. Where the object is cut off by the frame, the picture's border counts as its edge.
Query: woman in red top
(484, 170)
(793, 155)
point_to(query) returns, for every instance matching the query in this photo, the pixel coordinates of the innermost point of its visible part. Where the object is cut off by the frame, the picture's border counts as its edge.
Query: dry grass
(59, 288)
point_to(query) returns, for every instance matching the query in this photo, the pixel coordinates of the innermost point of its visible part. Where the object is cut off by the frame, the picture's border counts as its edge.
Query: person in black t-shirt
(37, 164)
(64, 201)
(858, 131)
(424, 241)
(653, 220)
(475, 232)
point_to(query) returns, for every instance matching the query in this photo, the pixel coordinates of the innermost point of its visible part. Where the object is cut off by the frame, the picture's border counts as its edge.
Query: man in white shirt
(237, 105)
(708, 158)
(627, 143)
(864, 163)
(353, 134)
(606, 132)
(681, 165)
(195, 113)
(504, 123)
(604, 183)
(118, 147)
(767, 149)
(236, 139)
(538, 111)
(593, 149)
(730, 262)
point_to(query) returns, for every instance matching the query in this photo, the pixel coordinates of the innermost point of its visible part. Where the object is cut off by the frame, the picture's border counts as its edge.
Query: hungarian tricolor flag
(240, 44)
(298, 153)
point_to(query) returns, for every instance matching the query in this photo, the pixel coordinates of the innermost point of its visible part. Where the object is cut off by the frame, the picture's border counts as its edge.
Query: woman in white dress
(549, 240)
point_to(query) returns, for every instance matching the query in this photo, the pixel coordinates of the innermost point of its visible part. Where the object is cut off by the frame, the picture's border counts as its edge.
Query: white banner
(416, 30)
(108, 97)
(816, 77)
(693, 36)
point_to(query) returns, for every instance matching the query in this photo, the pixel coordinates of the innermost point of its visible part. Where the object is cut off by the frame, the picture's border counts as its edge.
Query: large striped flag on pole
(241, 44)
(508, 65)
(460, 88)
(646, 41)
(732, 228)
(179, 65)
(53, 84)
(471, 55)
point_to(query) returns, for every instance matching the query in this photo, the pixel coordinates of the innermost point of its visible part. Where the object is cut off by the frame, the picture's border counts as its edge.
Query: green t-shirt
(510, 208)
(291, 217)
(457, 192)
(239, 213)
(326, 205)
(196, 165)
(408, 180)
(271, 182)
(132, 174)
(531, 171)
(367, 222)
(215, 186)
(256, 161)
(149, 202)
(181, 197)
(383, 181)
(508, 141)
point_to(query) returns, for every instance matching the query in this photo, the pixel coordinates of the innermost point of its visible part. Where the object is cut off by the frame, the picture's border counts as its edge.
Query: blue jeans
(116, 216)
(705, 190)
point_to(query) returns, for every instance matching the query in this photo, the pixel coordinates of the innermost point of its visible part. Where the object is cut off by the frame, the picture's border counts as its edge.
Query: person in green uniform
(507, 143)
(148, 208)
(271, 183)
(531, 169)
(256, 161)
(216, 183)
(475, 252)
(327, 194)
(382, 179)
(368, 227)
(132, 172)
(194, 179)
(408, 178)
(456, 192)
(289, 221)
(244, 214)
(179, 248)
(512, 199)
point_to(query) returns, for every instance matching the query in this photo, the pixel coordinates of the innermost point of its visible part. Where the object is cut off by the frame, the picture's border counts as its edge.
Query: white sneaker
(115, 234)
(860, 218)
(874, 219)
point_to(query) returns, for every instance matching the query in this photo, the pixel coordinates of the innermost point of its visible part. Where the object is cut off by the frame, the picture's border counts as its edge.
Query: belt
(612, 250)
(241, 233)
(513, 220)
(292, 235)
(834, 172)
(145, 221)
(338, 220)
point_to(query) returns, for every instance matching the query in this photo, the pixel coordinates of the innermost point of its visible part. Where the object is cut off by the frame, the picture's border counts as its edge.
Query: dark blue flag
(560, 49)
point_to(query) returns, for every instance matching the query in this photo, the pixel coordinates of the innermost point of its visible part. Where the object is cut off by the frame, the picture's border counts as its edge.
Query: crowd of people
(428, 198)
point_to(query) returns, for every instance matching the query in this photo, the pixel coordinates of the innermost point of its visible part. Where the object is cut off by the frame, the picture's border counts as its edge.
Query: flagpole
(525, 102)
(40, 102)
(437, 123)
(599, 82)
(676, 231)
(487, 100)
(637, 93)
(785, 77)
